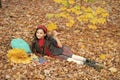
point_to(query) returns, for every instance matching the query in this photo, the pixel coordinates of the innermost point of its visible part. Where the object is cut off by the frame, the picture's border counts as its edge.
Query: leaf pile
(19, 19)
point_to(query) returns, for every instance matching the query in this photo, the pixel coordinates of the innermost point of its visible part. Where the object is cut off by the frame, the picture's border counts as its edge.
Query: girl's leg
(76, 61)
(68, 52)
(76, 57)
(64, 57)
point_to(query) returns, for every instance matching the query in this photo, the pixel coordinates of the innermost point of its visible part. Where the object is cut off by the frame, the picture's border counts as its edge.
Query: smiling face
(40, 34)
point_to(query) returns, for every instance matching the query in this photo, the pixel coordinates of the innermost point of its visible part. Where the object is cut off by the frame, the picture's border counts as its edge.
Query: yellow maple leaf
(79, 19)
(83, 8)
(89, 10)
(101, 20)
(104, 14)
(100, 10)
(89, 15)
(85, 0)
(58, 15)
(58, 1)
(70, 23)
(103, 2)
(51, 26)
(77, 7)
(65, 15)
(63, 8)
(71, 1)
(94, 20)
(49, 15)
(18, 56)
(102, 56)
(65, 3)
(75, 10)
(92, 27)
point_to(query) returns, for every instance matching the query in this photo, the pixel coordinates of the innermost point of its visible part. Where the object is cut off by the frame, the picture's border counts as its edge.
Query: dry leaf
(112, 69)
(51, 26)
(94, 27)
(102, 56)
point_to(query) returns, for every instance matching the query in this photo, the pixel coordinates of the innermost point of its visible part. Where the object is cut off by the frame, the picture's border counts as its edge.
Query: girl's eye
(39, 33)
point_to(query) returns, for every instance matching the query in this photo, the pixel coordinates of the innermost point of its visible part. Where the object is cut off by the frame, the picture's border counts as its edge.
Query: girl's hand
(55, 33)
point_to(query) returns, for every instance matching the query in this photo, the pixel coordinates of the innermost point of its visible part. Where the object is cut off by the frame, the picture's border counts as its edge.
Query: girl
(44, 44)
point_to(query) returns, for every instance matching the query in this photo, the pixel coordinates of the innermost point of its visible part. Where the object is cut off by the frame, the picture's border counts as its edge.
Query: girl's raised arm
(55, 33)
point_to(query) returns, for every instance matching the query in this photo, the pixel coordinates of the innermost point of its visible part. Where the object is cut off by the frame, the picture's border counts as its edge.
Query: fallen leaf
(102, 56)
(92, 27)
(112, 69)
(51, 26)
(49, 15)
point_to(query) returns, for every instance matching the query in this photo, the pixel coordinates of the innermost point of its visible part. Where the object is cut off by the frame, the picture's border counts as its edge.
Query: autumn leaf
(94, 27)
(63, 8)
(94, 20)
(103, 2)
(51, 26)
(75, 10)
(79, 19)
(71, 1)
(89, 15)
(58, 1)
(64, 15)
(18, 56)
(102, 56)
(101, 20)
(88, 10)
(65, 3)
(112, 69)
(91, 0)
(58, 15)
(70, 23)
(85, 0)
(49, 15)
(104, 15)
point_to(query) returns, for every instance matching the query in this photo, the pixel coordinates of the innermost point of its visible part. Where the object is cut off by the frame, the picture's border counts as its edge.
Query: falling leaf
(51, 26)
(112, 69)
(102, 56)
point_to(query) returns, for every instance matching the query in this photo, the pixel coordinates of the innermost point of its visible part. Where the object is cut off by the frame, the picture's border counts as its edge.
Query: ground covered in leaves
(19, 18)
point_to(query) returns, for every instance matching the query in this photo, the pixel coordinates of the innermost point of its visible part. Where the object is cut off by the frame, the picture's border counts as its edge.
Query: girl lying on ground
(44, 44)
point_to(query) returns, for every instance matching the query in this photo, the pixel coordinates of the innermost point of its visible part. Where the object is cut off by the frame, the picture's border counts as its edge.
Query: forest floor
(19, 18)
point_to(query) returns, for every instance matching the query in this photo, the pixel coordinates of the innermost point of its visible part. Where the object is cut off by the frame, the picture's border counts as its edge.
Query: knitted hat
(43, 28)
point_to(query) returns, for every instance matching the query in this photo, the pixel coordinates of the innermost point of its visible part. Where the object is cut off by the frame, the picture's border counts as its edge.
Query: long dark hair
(35, 44)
